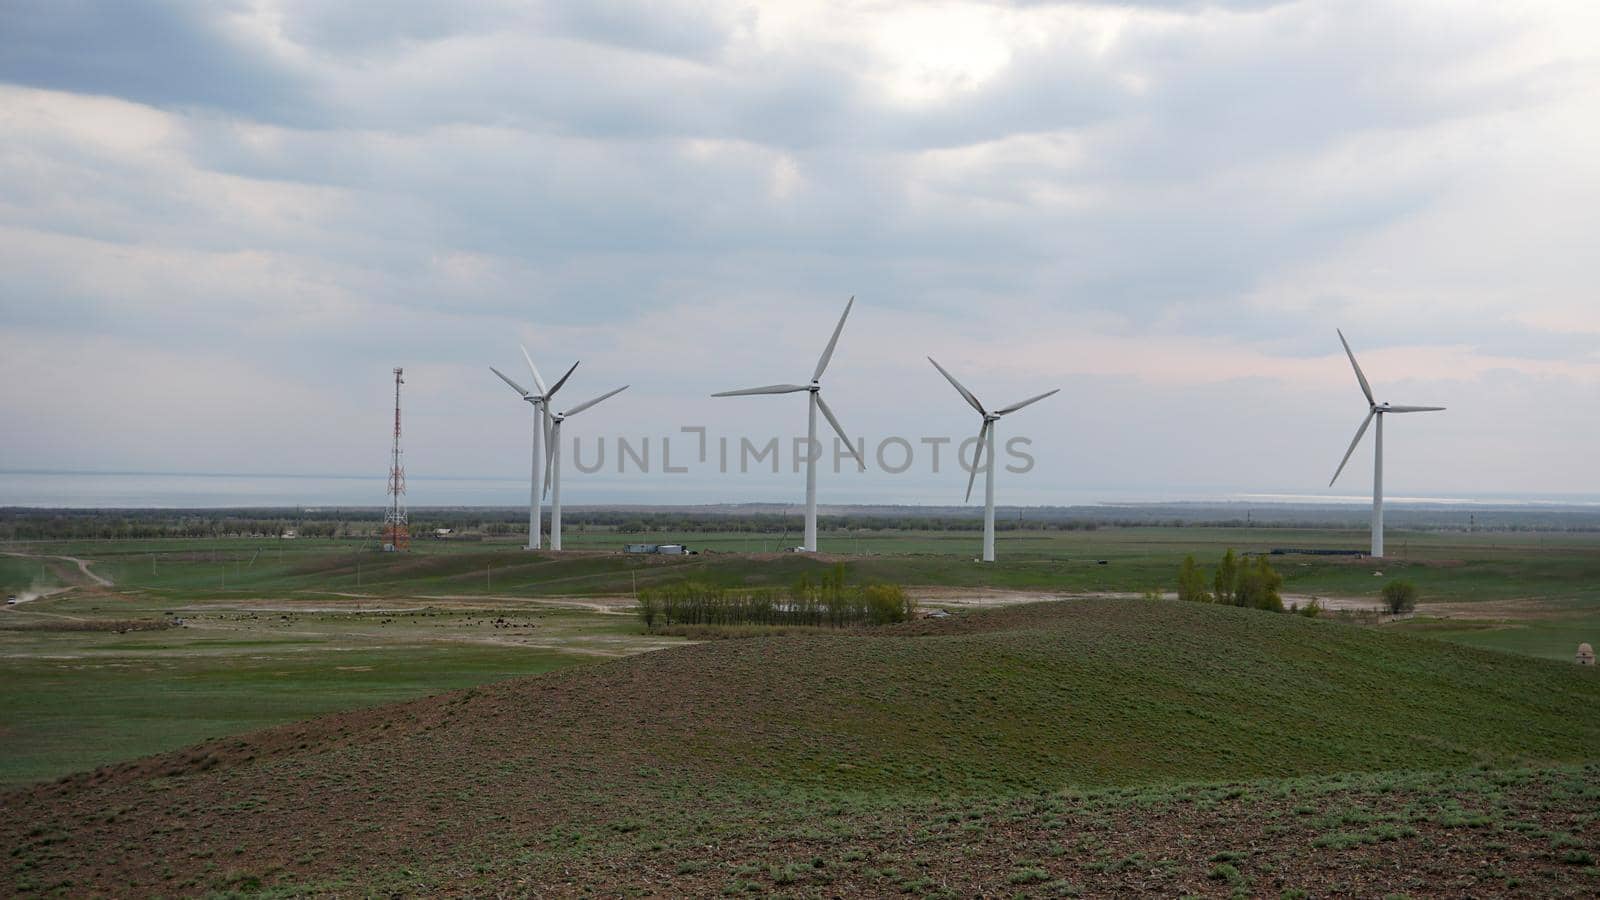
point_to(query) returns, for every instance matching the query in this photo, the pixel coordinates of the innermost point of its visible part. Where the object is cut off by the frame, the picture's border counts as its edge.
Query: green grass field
(1447, 566)
(281, 630)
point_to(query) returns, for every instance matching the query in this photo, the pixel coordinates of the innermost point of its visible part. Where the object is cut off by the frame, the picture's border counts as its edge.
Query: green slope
(1099, 692)
(710, 743)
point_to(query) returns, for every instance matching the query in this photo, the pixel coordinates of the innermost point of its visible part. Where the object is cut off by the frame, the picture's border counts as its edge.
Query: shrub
(1226, 581)
(1311, 610)
(1224, 872)
(1578, 858)
(1192, 582)
(1257, 586)
(1028, 875)
(1399, 597)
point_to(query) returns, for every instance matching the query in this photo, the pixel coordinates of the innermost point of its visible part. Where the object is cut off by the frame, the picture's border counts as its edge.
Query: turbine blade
(960, 388)
(827, 354)
(1365, 388)
(767, 389)
(514, 386)
(1412, 408)
(834, 421)
(537, 379)
(552, 434)
(560, 381)
(1359, 432)
(583, 406)
(977, 459)
(1031, 400)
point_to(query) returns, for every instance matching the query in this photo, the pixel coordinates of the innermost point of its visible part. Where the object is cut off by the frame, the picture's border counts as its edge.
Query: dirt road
(81, 578)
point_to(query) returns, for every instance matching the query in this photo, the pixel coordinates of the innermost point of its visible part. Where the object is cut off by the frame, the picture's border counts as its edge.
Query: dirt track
(83, 577)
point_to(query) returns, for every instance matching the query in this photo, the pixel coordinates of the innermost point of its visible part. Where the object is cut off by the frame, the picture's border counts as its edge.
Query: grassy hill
(689, 763)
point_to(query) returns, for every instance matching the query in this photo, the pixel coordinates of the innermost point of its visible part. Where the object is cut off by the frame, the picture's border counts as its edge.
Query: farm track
(77, 577)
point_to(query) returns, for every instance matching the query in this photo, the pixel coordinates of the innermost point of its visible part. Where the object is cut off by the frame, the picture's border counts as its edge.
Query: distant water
(158, 490)
(169, 490)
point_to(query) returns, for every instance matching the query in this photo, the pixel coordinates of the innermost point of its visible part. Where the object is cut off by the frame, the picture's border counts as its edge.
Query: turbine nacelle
(1374, 408)
(540, 400)
(814, 388)
(552, 459)
(985, 439)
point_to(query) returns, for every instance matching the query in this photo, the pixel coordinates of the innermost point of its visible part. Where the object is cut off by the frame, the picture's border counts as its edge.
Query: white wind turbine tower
(552, 472)
(816, 403)
(985, 451)
(539, 401)
(1375, 410)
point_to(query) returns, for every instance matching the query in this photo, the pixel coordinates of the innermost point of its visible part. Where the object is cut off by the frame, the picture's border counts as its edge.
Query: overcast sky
(223, 223)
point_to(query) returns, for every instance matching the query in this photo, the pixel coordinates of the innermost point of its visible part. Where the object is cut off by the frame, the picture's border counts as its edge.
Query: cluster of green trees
(1246, 581)
(826, 602)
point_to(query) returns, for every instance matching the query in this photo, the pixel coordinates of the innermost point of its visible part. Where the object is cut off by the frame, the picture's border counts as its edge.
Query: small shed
(1585, 655)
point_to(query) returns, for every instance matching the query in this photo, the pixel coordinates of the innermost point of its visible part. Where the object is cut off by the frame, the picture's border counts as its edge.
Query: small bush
(1223, 872)
(1578, 858)
(1192, 582)
(1228, 856)
(1399, 597)
(1028, 875)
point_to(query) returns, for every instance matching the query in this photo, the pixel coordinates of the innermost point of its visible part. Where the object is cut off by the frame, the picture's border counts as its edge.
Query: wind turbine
(985, 450)
(552, 471)
(1375, 410)
(816, 403)
(539, 401)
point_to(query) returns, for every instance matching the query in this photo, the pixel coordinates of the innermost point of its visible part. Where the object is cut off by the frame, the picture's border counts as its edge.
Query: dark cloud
(166, 54)
(361, 27)
(675, 28)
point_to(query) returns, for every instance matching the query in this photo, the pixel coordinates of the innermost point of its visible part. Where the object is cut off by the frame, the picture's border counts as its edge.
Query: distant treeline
(827, 602)
(467, 523)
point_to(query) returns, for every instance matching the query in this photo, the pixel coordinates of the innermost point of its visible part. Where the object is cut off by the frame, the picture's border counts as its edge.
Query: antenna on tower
(396, 524)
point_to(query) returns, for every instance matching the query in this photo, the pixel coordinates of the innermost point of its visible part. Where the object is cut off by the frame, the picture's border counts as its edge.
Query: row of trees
(1247, 581)
(827, 602)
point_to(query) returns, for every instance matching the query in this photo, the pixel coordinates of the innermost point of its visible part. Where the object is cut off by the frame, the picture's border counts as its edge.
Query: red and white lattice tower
(396, 526)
